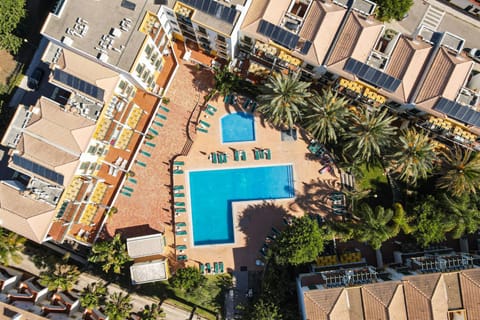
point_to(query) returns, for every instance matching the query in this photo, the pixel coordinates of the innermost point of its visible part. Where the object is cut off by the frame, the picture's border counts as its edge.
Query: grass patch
(372, 177)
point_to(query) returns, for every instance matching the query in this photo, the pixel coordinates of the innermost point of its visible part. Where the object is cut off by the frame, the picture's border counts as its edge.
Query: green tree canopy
(93, 295)
(11, 12)
(61, 277)
(415, 156)
(326, 116)
(392, 9)
(460, 172)
(118, 306)
(110, 254)
(371, 133)
(283, 98)
(299, 243)
(431, 221)
(187, 279)
(11, 244)
(264, 310)
(151, 312)
(462, 213)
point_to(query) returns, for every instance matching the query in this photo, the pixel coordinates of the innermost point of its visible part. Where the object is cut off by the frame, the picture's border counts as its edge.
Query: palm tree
(225, 82)
(283, 98)
(415, 156)
(326, 116)
(463, 214)
(60, 277)
(93, 295)
(375, 227)
(11, 244)
(401, 220)
(370, 134)
(111, 254)
(460, 172)
(151, 312)
(118, 306)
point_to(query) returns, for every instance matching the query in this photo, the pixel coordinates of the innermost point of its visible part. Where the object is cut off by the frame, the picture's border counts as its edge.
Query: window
(148, 50)
(140, 68)
(202, 30)
(122, 85)
(170, 13)
(221, 38)
(247, 40)
(309, 67)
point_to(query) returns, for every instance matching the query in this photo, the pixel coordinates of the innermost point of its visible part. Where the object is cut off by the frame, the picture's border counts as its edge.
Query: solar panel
(37, 169)
(214, 9)
(281, 36)
(78, 84)
(128, 5)
(458, 112)
(371, 75)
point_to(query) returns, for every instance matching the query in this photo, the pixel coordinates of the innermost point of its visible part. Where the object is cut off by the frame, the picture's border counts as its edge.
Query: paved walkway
(172, 312)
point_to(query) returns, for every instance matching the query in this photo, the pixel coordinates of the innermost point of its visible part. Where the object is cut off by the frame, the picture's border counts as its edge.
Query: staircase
(432, 17)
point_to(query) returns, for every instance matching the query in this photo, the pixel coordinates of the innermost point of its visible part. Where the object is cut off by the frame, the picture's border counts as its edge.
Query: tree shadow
(313, 198)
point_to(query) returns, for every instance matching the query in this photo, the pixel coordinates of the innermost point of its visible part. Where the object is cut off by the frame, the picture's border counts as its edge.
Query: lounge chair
(268, 154)
(155, 132)
(208, 268)
(179, 204)
(181, 224)
(246, 103)
(254, 106)
(243, 155)
(132, 180)
(158, 123)
(126, 193)
(236, 155)
(261, 153)
(128, 188)
(226, 99)
(181, 247)
(256, 154)
(202, 130)
(182, 257)
(145, 153)
(180, 210)
(220, 266)
(181, 233)
(223, 156)
(178, 187)
(142, 164)
(215, 267)
(202, 268)
(178, 163)
(209, 106)
(150, 144)
(210, 112)
(204, 123)
(161, 116)
(164, 108)
(179, 195)
(213, 156)
(178, 171)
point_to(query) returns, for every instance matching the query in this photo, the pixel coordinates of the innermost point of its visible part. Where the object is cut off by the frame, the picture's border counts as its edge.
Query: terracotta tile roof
(406, 63)
(319, 303)
(356, 40)
(377, 300)
(445, 77)
(425, 296)
(23, 215)
(269, 10)
(470, 287)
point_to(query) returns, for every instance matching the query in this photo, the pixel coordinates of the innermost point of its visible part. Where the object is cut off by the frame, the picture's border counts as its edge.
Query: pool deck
(253, 220)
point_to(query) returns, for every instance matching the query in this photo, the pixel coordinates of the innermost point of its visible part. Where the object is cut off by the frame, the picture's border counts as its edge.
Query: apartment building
(123, 35)
(212, 26)
(433, 286)
(74, 148)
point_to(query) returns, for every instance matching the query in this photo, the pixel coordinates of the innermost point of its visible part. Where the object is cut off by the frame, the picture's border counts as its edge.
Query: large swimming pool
(238, 127)
(213, 191)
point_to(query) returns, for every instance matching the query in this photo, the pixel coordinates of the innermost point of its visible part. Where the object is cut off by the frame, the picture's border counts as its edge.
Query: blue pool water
(238, 127)
(212, 193)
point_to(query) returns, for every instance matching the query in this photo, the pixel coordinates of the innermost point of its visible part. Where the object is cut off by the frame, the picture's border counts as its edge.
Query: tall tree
(118, 306)
(325, 116)
(460, 171)
(151, 312)
(11, 12)
(225, 82)
(463, 213)
(61, 277)
(93, 295)
(264, 310)
(431, 221)
(283, 98)
(11, 244)
(393, 9)
(402, 221)
(415, 156)
(187, 279)
(299, 243)
(370, 134)
(111, 254)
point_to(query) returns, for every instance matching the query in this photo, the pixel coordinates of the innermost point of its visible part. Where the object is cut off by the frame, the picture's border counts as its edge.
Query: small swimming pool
(213, 191)
(238, 127)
